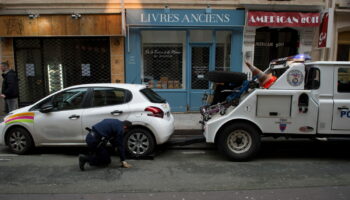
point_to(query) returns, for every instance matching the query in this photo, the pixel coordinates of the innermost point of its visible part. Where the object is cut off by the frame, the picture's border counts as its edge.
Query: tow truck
(303, 99)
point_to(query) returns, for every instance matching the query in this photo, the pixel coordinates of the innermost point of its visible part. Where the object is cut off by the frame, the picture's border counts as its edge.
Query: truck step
(333, 139)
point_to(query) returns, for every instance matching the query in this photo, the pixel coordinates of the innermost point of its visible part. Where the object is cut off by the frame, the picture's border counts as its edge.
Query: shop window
(343, 80)
(343, 52)
(201, 35)
(223, 50)
(274, 43)
(163, 55)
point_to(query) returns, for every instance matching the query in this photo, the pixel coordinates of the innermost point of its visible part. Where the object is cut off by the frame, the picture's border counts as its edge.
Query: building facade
(168, 45)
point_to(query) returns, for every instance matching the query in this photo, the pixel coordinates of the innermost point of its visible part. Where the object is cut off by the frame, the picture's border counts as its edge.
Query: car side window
(38, 106)
(69, 99)
(312, 80)
(108, 96)
(344, 80)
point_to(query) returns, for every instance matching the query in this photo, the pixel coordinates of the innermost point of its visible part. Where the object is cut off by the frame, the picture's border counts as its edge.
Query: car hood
(20, 110)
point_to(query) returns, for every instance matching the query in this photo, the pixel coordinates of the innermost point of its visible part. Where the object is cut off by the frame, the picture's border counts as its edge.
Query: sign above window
(179, 17)
(288, 19)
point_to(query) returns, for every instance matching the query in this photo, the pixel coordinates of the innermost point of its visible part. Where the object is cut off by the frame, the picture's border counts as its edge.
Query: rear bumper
(165, 131)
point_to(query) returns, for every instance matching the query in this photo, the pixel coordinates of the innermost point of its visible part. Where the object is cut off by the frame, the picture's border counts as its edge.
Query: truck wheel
(139, 142)
(236, 78)
(19, 140)
(239, 141)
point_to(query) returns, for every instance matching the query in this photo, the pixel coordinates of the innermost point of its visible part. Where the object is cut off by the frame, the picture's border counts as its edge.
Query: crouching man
(108, 130)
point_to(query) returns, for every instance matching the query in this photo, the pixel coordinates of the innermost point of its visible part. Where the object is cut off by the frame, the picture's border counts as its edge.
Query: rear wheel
(139, 142)
(19, 140)
(239, 141)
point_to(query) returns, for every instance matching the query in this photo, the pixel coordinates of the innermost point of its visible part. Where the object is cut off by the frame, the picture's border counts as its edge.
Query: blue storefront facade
(170, 50)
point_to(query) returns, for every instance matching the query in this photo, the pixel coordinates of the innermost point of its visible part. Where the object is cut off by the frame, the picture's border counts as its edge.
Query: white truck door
(341, 108)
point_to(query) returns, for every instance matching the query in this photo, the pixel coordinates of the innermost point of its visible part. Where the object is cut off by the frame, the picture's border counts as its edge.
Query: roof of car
(119, 85)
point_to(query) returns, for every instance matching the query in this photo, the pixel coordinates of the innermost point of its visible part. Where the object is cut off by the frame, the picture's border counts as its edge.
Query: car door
(341, 108)
(63, 123)
(106, 102)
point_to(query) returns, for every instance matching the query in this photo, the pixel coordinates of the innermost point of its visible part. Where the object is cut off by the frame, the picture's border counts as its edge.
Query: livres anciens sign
(289, 19)
(179, 17)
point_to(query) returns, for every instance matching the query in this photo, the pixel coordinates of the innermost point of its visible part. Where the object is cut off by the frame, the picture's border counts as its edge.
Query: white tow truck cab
(307, 100)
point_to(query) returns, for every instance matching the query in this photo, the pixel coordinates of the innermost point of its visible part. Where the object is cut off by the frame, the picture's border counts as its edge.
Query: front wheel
(239, 141)
(139, 142)
(19, 140)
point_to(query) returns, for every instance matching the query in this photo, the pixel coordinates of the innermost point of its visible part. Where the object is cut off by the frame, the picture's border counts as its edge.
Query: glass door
(200, 64)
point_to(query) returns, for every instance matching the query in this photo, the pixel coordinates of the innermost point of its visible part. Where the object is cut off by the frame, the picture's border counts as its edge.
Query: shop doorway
(200, 61)
(274, 43)
(343, 46)
(46, 65)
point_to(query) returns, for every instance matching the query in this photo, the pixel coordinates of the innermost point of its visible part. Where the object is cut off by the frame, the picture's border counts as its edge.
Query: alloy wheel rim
(17, 141)
(239, 141)
(138, 143)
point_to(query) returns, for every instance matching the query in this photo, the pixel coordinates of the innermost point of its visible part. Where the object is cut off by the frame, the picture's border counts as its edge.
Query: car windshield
(152, 96)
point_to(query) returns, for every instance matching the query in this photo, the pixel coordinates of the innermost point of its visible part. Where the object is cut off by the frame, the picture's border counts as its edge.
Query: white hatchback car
(60, 118)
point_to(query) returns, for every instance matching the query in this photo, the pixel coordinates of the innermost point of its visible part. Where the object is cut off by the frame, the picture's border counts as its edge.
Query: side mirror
(48, 107)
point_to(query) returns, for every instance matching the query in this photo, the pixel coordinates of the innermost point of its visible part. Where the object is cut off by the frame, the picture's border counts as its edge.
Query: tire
(236, 78)
(239, 142)
(139, 142)
(19, 140)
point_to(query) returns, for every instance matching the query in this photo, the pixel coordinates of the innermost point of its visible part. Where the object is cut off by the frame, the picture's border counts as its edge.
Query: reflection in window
(223, 51)
(163, 59)
(70, 99)
(108, 96)
(312, 78)
(343, 80)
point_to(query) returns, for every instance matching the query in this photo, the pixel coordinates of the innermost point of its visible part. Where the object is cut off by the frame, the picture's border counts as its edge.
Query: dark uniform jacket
(109, 129)
(10, 85)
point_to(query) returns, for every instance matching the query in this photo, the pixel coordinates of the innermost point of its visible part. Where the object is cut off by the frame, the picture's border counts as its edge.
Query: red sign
(289, 19)
(322, 39)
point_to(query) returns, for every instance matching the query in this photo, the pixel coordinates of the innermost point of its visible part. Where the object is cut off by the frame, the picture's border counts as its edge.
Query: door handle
(116, 112)
(343, 108)
(74, 117)
(273, 113)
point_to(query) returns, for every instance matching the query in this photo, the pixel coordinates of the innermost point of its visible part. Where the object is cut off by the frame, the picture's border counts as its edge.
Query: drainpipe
(123, 18)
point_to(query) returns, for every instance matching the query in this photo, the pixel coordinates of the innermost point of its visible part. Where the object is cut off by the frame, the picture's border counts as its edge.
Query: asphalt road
(282, 170)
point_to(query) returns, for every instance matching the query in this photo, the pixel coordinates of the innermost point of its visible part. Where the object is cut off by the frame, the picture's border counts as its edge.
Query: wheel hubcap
(138, 143)
(239, 141)
(17, 141)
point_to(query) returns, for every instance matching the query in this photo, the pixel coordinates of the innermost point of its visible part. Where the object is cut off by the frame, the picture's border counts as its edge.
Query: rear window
(152, 96)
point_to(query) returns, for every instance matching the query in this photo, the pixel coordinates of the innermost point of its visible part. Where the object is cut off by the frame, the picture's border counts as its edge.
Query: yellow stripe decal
(20, 114)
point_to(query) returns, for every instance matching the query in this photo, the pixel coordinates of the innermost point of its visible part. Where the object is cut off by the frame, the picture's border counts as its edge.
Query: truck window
(312, 78)
(343, 80)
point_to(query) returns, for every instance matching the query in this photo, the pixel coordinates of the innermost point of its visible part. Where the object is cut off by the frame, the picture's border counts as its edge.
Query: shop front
(271, 35)
(52, 52)
(172, 50)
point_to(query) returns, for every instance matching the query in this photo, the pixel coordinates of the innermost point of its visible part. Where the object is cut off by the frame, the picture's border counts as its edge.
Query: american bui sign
(289, 19)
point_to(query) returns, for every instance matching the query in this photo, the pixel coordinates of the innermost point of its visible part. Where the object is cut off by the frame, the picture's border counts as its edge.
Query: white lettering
(185, 19)
(227, 18)
(195, 17)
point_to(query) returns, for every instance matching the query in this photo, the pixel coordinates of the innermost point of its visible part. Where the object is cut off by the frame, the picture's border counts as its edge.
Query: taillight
(155, 112)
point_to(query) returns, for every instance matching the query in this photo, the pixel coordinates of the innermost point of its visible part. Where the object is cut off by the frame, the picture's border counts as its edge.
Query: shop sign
(177, 17)
(322, 38)
(289, 19)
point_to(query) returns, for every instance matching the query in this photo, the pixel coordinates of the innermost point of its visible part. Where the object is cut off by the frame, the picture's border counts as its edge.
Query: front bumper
(2, 133)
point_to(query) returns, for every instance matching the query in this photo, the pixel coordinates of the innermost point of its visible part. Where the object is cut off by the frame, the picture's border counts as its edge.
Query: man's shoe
(82, 161)
(126, 165)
